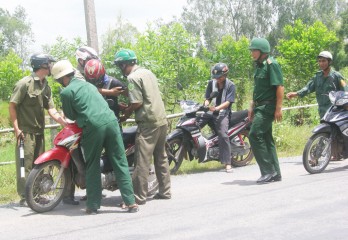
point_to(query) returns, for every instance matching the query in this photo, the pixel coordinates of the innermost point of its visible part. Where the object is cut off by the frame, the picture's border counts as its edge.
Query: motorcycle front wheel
(317, 153)
(40, 194)
(245, 159)
(175, 152)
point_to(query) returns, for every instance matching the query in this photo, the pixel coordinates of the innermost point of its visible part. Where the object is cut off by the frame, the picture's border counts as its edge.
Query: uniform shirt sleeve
(309, 88)
(135, 91)
(67, 107)
(275, 74)
(19, 92)
(50, 99)
(209, 89)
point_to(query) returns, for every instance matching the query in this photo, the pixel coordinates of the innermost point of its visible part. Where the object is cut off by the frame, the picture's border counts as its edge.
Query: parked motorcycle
(188, 138)
(56, 168)
(330, 139)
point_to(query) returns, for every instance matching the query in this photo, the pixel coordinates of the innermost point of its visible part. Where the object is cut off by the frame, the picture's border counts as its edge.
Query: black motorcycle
(188, 139)
(330, 139)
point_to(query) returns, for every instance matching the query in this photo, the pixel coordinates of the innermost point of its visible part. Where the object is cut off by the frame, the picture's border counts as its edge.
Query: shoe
(70, 201)
(160, 196)
(265, 178)
(23, 203)
(228, 168)
(277, 178)
(133, 208)
(91, 211)
(83, 198)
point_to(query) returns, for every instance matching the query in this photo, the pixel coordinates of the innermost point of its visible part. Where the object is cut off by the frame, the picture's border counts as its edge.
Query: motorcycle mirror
(110, 102)
(179, 86)
(213, 95)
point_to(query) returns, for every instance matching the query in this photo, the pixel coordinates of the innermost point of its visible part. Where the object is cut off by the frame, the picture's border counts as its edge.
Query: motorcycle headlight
(189, 106)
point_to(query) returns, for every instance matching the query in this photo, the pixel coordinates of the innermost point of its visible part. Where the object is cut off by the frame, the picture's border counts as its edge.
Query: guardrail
(171, 116)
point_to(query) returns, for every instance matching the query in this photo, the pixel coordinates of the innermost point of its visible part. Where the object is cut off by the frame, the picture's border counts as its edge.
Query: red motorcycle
(56, 168)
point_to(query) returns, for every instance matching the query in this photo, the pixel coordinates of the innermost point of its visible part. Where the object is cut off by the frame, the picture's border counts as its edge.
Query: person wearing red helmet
(108, 86)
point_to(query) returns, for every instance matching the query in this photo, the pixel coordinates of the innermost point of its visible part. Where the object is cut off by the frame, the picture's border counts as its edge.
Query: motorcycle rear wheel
(38, 189)
(317, 153)
(175, 151)
(243, 160)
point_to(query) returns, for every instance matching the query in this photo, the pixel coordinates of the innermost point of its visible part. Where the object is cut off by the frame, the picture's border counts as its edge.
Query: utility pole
(91, 25)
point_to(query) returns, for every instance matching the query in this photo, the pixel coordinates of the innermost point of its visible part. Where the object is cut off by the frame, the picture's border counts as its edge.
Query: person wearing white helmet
(322, 83)
(83, 55)
(100, 130)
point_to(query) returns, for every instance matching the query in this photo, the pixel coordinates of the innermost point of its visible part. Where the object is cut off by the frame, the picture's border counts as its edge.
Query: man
(265, 107)
(31, 95)
(83, 55)
(221, 109)
(95, 73)
(323, 82)
(82, 102)
(145, 99)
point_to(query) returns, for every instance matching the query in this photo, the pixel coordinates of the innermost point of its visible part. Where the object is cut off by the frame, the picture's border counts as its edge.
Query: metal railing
(171, 116)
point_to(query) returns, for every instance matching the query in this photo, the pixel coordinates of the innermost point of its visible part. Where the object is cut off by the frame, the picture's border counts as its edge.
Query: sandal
(133, 208)
(228, 168)
(122, 205)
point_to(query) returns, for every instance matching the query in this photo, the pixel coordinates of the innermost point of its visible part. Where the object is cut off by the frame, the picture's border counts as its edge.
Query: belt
(261, 103)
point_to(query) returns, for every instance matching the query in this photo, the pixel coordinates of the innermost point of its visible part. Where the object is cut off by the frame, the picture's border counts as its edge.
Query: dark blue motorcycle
(330, 139)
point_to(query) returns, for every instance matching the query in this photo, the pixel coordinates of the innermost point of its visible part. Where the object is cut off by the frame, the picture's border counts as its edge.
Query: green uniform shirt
(322, 86)
(268, 75)
(143, 88)
(31, 98)
(82, 102)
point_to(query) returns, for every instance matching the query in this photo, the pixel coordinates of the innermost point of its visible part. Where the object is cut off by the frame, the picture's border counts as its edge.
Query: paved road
(210, 205)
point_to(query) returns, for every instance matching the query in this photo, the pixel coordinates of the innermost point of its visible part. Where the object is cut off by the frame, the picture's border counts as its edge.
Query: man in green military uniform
(323, 82)
(265, 107)
(31, 95)
(145, 99)
(82, 102)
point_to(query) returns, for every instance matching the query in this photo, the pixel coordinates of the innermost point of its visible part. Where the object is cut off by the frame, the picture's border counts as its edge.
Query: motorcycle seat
(238, 116)
(129, 133)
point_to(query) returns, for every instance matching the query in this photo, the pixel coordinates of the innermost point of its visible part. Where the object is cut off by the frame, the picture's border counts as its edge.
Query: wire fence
(171, 116)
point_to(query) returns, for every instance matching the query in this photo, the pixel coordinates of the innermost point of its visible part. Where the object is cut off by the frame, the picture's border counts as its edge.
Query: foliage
(62, 49)
(299, 50)
(10, 73)
(15, 32)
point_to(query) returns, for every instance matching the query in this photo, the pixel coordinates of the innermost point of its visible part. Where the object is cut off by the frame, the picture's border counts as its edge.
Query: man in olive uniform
(145, 99)
(82, 102)
(31, 95)
(265, 107)
(323, 82)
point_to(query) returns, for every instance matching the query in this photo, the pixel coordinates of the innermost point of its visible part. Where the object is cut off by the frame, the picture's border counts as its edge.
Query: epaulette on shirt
(269, 61)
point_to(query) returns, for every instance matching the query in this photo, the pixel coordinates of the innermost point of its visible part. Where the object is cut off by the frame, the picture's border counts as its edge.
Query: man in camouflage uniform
(150, 115)
(31, 95)
(323, 82)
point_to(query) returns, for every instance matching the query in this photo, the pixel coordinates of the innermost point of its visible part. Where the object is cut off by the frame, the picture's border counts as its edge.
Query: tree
(15, 32)
(10, 73)
(299, 50)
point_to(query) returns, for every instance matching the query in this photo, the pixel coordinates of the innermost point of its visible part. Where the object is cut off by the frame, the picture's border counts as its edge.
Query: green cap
(260, 44)
(125, 55)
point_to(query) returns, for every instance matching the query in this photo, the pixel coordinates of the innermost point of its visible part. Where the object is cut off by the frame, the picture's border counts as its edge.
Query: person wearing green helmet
(150, 115)
(265, 108)
(323, 82)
